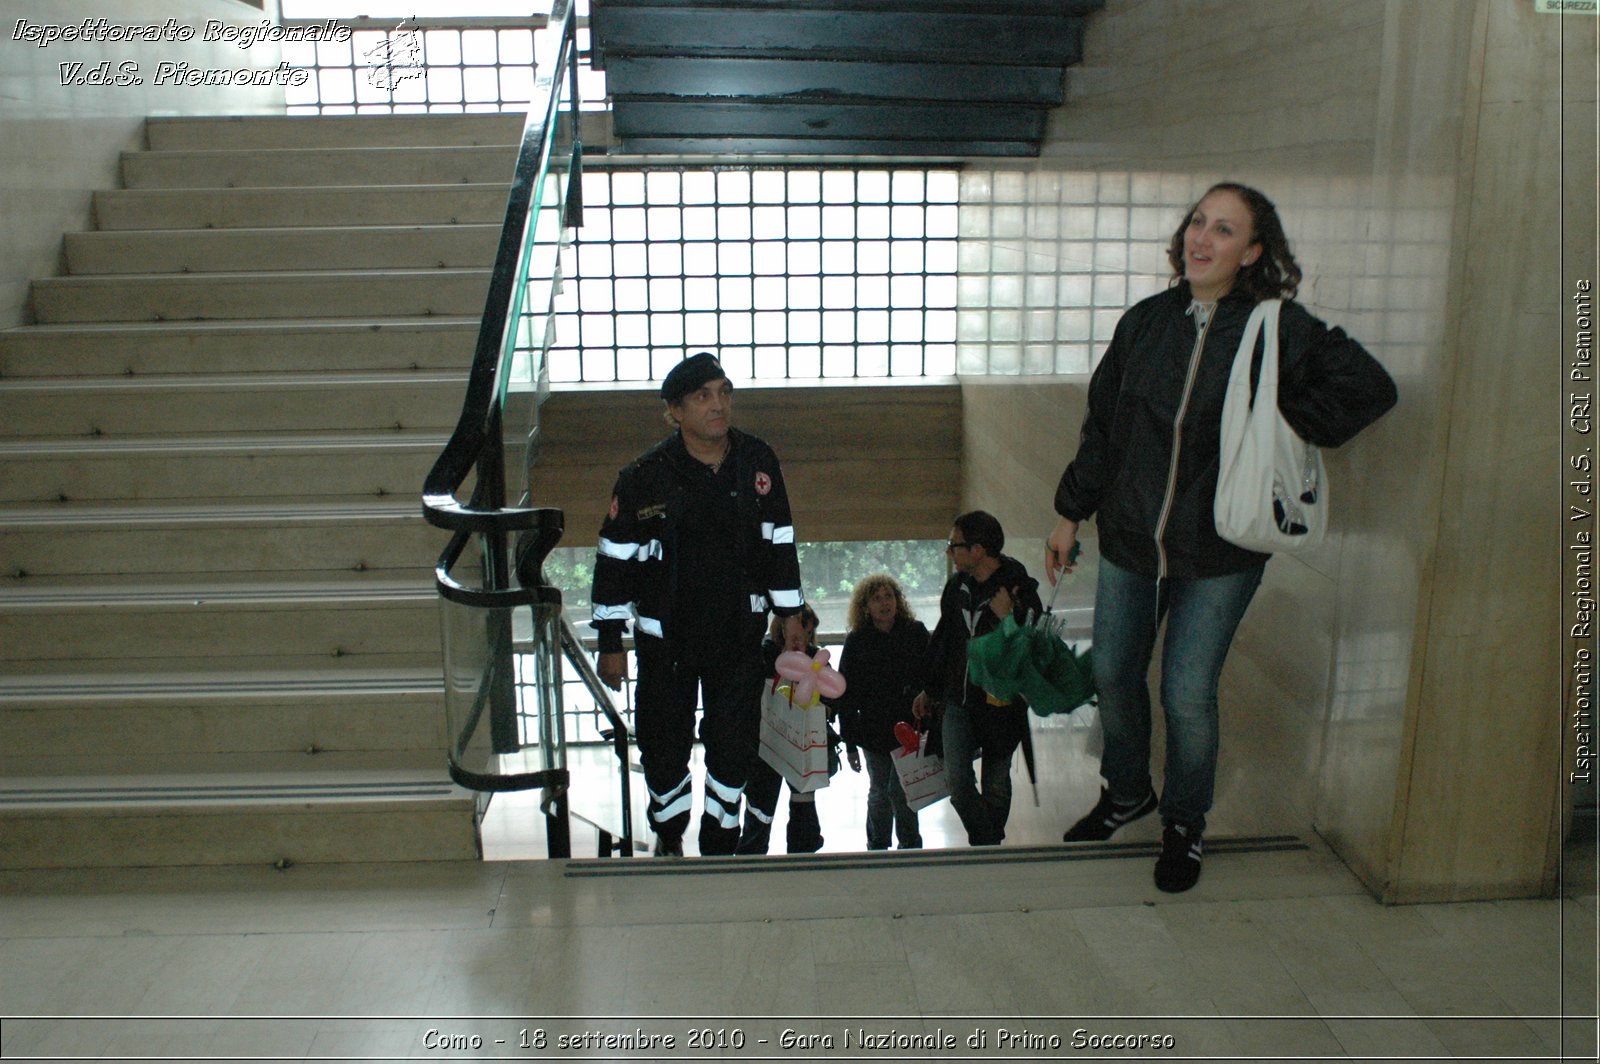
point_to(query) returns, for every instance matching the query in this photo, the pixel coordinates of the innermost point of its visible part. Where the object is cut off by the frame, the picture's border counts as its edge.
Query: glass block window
(784, 272)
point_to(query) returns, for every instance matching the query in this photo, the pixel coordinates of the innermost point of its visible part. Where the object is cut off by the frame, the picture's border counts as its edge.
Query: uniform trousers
(665, 697)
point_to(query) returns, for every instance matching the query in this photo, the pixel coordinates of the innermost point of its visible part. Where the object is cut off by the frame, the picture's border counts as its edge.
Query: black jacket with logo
(1148, 459)
(637, 574)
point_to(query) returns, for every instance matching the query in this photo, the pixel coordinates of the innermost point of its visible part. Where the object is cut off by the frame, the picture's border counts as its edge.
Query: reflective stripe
(682, 787)
(763, 815)
(722, 802)
(783, 534)
(788, 600)
(724, 817)
(613, 613)
(628, 552)
(767, 528)
(649, 626)
(678, 800)
(667, 812)
(758, 604)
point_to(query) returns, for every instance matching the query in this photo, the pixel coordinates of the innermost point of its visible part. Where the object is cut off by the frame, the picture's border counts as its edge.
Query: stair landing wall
(74, 134)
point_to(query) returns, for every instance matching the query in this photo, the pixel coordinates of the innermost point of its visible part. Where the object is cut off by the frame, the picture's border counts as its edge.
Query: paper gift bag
(794, 739)
(922, 774)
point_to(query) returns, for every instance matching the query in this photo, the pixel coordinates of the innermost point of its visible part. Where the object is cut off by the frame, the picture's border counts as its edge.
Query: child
(881, 665)
(763, 782)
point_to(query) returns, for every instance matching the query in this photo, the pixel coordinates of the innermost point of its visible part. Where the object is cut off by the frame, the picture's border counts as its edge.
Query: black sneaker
(1178, 867)
(668, 846)
(1107, 816)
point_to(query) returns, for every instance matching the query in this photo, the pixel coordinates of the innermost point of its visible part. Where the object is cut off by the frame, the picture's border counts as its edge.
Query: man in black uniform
(697, 546)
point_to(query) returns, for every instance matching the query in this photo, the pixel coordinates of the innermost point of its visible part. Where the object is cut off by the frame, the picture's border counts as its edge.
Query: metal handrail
(477, 432)
(541, 204)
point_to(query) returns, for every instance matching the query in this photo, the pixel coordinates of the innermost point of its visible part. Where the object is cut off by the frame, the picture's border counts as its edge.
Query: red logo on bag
(763, 483)
(615, 506)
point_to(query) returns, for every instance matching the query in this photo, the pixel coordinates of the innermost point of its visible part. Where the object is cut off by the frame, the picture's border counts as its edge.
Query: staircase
(219, 636)
(892, 78)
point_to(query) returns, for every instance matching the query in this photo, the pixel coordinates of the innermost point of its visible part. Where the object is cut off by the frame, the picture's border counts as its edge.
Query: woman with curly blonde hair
(881, 664)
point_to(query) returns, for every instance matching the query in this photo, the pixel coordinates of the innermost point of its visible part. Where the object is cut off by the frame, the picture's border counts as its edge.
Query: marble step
(173, 133)
(238, 346)
(297, 294)
(216, 536)
(264, 816)
(234, 250)
(97, 625)
(298, 167)
(260, 402)
(255, 208)
(104, 724)
(259, 468)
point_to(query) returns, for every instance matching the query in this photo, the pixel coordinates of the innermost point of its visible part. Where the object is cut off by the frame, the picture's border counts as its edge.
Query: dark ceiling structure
(890, 78)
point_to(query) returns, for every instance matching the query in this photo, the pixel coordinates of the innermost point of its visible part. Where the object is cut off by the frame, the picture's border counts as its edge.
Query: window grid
(427, 66)
(798, 272)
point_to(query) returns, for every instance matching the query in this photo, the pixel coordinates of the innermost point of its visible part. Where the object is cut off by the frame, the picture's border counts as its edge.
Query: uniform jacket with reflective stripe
(636, 565)
(1329, 389)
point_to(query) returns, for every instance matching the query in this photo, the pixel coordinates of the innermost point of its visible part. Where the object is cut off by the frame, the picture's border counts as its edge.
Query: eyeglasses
(955, 545)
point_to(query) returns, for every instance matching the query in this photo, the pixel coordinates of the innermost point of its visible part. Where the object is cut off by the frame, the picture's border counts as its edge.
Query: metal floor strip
(637, 866)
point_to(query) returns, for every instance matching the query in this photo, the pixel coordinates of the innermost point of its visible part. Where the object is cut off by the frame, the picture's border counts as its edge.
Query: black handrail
(473, 442)
(476, 449)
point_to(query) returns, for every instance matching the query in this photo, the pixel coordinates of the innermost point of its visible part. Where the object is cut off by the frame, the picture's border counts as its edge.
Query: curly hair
(1274, 274)
(865, 589)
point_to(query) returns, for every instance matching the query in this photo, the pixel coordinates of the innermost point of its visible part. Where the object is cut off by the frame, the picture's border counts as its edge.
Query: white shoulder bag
(1272, 491)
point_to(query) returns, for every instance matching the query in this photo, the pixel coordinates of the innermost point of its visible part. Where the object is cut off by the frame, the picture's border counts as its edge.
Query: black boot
(716, 840)
(805, 830)
(757, 835)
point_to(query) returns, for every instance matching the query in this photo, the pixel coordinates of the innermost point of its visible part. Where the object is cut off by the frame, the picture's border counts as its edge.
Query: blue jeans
(1202, 616)
(984, 813)
(887, 811)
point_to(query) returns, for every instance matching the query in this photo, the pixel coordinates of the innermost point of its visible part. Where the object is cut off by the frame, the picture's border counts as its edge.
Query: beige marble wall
(1406, 143)
(62, 141)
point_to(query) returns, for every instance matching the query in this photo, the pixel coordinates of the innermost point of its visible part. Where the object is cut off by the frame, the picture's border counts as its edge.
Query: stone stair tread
(256, 685)
(145, 666)
(264, 277)
(239, 443)
(213, 327)
(122, 514)
(62, 772)
(243, 589)
(147, 382)
(261, 128)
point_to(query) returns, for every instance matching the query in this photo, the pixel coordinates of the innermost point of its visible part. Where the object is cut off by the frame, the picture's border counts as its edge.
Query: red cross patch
(763, 483)
(612, 513)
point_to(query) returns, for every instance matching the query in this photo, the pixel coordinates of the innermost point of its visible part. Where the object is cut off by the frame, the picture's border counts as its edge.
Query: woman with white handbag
(1149, 462)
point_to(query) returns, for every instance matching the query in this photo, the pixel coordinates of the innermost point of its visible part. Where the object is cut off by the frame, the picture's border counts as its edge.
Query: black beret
(687, 376)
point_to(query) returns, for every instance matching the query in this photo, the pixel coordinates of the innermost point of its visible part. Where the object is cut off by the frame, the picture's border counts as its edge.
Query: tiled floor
(1039, 950)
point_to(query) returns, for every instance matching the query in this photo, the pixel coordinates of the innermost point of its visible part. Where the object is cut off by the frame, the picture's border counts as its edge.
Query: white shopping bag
(794, 739)
(922, 774)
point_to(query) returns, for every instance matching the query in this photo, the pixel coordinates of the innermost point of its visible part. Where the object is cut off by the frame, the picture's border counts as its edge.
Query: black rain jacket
(1148, 460)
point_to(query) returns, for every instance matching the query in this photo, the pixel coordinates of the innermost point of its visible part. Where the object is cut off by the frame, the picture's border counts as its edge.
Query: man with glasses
(697, 546)
(986, 587)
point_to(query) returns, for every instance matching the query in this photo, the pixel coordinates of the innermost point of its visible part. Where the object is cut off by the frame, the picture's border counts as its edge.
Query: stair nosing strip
(76, 688)
(244, 382)
(133, 516)
(67, 446)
